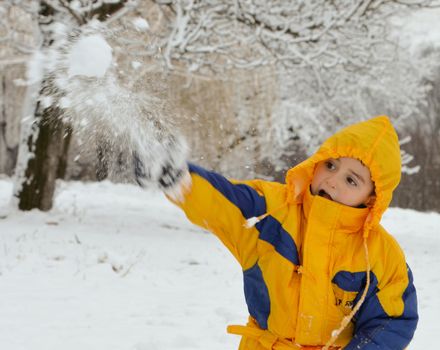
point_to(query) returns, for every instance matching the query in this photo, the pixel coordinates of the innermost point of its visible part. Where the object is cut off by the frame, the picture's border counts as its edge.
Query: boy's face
(343, 180)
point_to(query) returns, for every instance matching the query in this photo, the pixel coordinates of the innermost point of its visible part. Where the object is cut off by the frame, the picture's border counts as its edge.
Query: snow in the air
(34, 71)
(91, 56)
(114, 267)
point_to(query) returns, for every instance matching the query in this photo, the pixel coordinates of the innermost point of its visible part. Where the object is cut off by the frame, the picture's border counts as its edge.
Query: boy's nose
(331, 182)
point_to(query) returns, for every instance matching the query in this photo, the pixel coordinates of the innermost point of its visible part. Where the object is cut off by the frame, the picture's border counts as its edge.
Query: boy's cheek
(314, 187)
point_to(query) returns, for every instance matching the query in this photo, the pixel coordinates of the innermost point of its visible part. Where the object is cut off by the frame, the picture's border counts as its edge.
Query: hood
(375, 143)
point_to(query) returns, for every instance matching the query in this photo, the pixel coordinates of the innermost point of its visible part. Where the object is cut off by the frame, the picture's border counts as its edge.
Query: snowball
(91, 56)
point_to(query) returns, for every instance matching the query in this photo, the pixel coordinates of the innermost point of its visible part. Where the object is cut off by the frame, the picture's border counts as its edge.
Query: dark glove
(169, 175)
(160, 159)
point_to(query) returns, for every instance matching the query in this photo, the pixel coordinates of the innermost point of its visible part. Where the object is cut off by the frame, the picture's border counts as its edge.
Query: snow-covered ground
(115, 267)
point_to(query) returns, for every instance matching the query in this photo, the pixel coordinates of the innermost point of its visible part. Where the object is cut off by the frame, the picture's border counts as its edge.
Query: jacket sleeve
(222, 207)
(379, 323)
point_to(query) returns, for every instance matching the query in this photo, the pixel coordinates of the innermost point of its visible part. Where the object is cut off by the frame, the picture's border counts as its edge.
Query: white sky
(418, 29)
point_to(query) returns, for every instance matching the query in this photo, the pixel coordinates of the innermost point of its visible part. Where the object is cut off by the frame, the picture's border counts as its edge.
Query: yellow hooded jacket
(305, 262)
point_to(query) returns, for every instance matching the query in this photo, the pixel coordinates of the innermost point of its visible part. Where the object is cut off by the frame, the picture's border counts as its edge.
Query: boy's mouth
(324, 194)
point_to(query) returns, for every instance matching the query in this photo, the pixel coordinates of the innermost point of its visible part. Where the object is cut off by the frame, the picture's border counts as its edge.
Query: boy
(319, 270)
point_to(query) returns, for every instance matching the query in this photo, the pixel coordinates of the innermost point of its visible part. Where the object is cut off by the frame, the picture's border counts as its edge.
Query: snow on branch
(224, 34)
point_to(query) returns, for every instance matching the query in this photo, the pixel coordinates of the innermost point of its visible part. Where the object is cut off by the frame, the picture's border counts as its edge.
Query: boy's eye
(351, 181)
(329, 165)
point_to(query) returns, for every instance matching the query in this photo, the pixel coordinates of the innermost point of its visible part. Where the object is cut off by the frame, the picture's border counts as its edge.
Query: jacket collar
(340, 216)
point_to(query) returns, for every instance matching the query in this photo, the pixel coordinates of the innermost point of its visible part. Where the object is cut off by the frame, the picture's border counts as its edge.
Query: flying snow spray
(86, 88)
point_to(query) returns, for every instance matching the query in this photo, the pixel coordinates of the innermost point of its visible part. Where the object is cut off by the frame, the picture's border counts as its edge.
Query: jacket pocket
(344, 300)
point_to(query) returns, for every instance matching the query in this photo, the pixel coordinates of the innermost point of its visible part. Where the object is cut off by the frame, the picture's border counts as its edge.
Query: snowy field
(113, 267)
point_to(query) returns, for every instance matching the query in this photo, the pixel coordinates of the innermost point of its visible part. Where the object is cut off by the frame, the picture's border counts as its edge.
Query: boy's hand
(160, 161)
(169, 175)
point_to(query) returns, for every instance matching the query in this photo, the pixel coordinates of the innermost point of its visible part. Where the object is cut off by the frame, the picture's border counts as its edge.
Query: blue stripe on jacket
(257, 295)
(242, 196)
(272, 232)
(374, 329)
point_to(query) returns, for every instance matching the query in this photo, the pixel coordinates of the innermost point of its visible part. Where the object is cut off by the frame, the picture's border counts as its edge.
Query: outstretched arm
(213, 202)
(222, 207)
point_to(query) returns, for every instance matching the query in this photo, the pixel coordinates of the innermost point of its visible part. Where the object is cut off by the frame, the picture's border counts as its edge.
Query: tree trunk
(102, 168)
(38, 186)
(42, 141)
(11, 104)
(63, 162)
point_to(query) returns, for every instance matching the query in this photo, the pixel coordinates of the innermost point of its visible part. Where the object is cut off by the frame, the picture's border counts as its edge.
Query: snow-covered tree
(242, 33)
(17, 39)
(334, 62)
(329, 61)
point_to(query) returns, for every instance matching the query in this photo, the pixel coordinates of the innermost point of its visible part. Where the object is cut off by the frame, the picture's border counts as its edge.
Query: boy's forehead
(351, 161)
